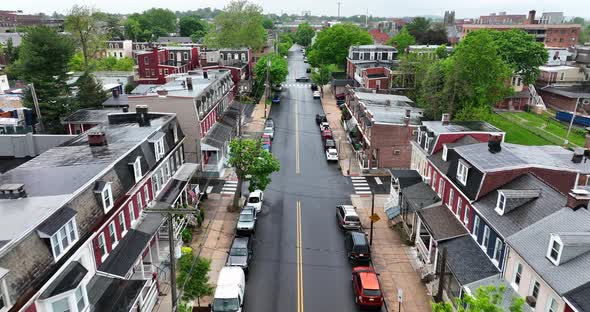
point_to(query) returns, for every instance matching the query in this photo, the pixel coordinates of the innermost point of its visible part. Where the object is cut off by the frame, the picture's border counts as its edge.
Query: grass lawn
(545, 126)
(515, 133)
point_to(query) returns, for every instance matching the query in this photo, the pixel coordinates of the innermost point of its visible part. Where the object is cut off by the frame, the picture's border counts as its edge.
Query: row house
(83, 120)
(239, 61)
(370, 66)
(75, 234)
(551, 35)
(200, 102)
(117, 48)
(380, 127)
(156, 64)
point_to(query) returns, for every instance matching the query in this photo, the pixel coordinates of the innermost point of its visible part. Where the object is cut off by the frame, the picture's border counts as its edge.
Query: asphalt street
(299, 262)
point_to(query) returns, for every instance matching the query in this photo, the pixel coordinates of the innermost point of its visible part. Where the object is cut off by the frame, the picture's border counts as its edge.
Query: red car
(266, 139)
(367, 291)
(327, 134)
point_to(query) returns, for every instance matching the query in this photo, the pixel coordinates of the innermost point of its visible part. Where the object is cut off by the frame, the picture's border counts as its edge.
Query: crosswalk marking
(361, 186)
(229, 187)
(299, 85)
(378, 180)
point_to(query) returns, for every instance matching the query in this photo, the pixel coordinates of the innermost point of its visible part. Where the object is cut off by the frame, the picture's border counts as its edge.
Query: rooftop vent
(142, 115)
(97, 138)
(189, 83)
(495, 144)
(446, 119)
(12, 191)
(578, 155)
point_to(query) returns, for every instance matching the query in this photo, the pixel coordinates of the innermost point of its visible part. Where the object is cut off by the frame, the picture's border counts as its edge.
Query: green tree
(331, 44)
(253, 163)
(90, 92)
(323, 75)
(82, 23)
(521, 52)
(190, 24)
(267, 23)
(193, 276)
(418, 28)
(132, 28)
(43, 60)
(277, 72)
(403, 39)
(11, 51)
(304, 34)
(486, 299)
(150, 24)
(437, 34)
(239, 25)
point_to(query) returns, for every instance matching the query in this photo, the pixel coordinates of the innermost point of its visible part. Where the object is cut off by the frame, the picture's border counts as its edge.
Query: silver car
(247, 221)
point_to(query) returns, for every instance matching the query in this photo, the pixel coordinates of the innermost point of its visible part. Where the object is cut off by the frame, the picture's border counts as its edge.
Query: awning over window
(69, 279)
(177, 184)
(113, 294)
(56, 221)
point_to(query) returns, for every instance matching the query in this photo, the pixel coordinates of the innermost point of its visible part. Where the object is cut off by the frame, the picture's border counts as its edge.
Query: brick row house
(480, 194)
(156, 64)
(75, 236)
(370, 66)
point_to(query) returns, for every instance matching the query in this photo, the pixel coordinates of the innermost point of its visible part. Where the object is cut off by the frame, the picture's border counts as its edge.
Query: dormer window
(445, 152)
(462, 171)
(501, 203)
(158, 141)
(137, 169)
(107, 197)
(61, 230)
(554, 251)
(427, 143)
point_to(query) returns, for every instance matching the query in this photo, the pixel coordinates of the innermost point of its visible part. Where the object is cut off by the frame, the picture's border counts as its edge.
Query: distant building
(117, 49)
(370, 66)
(9, 20)
(379, 37)
(175, 40)
(156, 64)
(502, 19)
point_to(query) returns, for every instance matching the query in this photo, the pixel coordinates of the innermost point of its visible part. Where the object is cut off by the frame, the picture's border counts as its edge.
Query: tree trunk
(238, 195)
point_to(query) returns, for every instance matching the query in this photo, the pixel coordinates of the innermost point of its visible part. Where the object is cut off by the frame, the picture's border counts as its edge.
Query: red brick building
(379, 37)
(370, 66)
(158, 63)
(552, 35)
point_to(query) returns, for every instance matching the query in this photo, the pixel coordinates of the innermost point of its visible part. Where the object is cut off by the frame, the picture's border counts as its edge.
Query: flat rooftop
(521, 26)
(460, 126)
(390, 108)
(178, 87)
(89, 116)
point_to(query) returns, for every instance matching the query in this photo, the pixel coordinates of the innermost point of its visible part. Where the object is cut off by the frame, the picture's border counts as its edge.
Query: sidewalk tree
(486, 299)
(304, 34)
(90, 91)
(43, 60)
(83, 23)
(331, 44)
(402, 40)
(278, 71)
(323, 75)
(267, 23)
(239, 25)
(192, 276)
(253, 163)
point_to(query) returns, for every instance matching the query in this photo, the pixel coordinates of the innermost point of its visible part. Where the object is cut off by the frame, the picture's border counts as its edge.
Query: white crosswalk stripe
(361, 186)
(298, 85)
(229, 187)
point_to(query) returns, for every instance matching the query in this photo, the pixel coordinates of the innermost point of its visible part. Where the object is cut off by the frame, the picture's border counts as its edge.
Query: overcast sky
(463, 8)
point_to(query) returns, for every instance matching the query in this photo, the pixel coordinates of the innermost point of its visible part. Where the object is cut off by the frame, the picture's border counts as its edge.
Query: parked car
(302, 79)
(327, 134)
(247, 221)
(357, 247)
(341, 96)
(317, 94)
(305, 59)
(314, 87)
(266, 139)
(229, 293)
(331, 154)
(269, 123)
(324, 125)
(267, 147)
(255, 200)
(366, 287)
(270, 131)
(340, 104)
(278, 87)
(276, 99)
(320, 118)
(308, 70)
(240, 253)
(347, 217)
(329, 143)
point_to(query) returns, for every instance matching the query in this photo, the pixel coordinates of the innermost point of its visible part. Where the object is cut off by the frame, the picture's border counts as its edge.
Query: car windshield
(225, 305)
(246, 216)
(267, 130)
(238, 252)
(253, 200)
(361, 249)
(352, 218)
(371, 292)
(330, 143)
(332, 153)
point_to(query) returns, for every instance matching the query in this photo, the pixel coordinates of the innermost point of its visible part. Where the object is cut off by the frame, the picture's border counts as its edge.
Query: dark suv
(240, 252)
(357, 247)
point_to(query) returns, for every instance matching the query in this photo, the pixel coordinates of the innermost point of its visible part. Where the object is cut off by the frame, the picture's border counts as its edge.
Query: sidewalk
(256, 124)
(391, 259)
(345, 151)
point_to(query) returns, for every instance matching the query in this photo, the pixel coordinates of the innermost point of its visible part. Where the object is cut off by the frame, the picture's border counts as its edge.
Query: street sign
(400, 295)
(374, 217)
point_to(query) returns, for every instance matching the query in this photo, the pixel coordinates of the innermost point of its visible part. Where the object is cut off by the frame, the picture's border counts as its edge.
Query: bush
(129, 87)
(200, 218)
(187, 235)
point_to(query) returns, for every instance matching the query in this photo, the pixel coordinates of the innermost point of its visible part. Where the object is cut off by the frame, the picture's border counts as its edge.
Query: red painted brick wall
(387, 139)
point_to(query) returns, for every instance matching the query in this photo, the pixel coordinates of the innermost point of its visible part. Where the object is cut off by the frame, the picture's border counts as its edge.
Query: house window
(498, 249)
(445, 152)
(440, 187)
(160, 72)
(166, 71)
(113, 234)
(475, 231)
(107, 197)
(486, 238)
(517, 275)
(147, 72)
(466, 215)
(462, 171)
(172, 56)
(552, 305)
(434, 180)
(146, 194)
(64, 238)
(451, 197)
(61, 305)
(175, 133)
(132, 210)
(419, 136)
(121, 54)
(80, 300)
(427, 143)
(102, 245)
(153, 72)
(159, 149)
(554, 251)
(137, 169)
(501, 204)
(185, 56)
(458, 208)
(535, 290)
(122, 225)
(146, 60)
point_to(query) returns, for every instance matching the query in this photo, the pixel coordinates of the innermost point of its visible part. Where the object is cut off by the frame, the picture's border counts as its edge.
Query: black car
(320, 118)
(302, 79)
(357, 247)
(314, 87)
(308, 70)
(240, 252)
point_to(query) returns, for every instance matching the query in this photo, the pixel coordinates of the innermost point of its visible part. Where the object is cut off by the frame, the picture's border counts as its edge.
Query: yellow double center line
(299, 261)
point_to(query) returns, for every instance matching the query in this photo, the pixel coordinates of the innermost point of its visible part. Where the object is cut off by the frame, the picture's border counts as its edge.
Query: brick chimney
(578, 198)
(531, 18)
(446, 119)
(495, 144)
(97, 138)
(141, 112)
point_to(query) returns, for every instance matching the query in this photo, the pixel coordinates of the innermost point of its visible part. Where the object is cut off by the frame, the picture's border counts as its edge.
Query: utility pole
(372, 213)
(569, 129)
(367, 19)
(339, 3)
(37, 109)
(441, 278)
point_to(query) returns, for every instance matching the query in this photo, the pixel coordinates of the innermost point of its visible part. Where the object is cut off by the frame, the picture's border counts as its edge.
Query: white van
(229, 294)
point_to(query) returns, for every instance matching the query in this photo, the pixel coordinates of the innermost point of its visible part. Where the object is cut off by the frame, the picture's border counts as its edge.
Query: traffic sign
(374, 217)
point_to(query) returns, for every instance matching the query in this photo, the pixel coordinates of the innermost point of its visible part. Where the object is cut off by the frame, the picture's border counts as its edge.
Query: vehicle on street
(324, 125)
(278, 87)
(357, 247)
(329, 143)
(314, 87)
(305, 59)
(367, 290)
(270, 131)
(247, 221)
(327, 134)
(266, 139)
(308, 70)
(240, 253)
(340, 104)
(316, 94)
(347, 217)
(320, 118)
(255, 200)
(229, 293)
(331, 154)
(276, 99)
(269, 123)
(341, 96)
(302, 79)
(266, 147)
